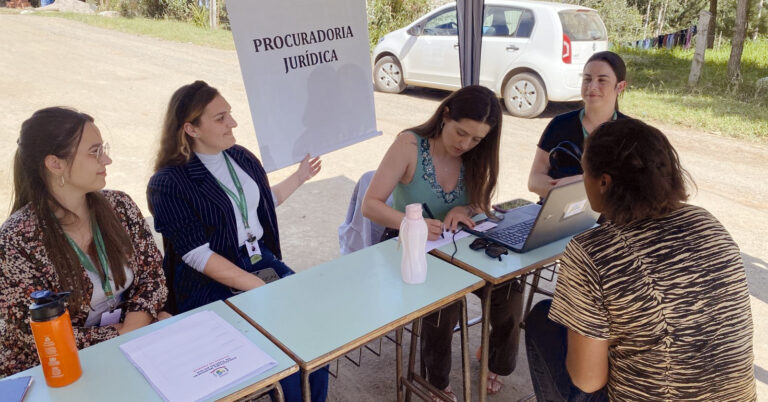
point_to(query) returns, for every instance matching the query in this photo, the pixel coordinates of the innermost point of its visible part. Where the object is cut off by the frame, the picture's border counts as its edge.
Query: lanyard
(581, 120)
(102, 254)
(239, 199)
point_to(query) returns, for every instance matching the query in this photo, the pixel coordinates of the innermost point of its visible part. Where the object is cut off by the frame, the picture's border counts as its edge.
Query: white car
(533, 52)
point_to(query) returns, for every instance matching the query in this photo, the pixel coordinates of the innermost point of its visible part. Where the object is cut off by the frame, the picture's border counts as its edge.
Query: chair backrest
(358, 232)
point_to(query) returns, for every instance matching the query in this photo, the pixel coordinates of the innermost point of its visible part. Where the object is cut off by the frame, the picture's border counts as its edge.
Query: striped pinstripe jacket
(190, 209)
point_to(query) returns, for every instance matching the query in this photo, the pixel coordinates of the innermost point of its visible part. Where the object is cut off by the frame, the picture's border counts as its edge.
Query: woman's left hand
(308, 168)
(458, 215)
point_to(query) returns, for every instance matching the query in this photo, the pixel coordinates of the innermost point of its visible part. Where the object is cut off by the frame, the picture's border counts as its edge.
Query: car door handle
(513, 48)
(455, 45)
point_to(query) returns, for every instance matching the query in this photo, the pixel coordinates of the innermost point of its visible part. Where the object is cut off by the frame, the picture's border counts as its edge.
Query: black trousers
(437, 334)
(546, 343)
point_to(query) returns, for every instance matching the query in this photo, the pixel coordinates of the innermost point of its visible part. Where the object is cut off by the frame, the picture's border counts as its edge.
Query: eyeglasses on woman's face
(100, 150)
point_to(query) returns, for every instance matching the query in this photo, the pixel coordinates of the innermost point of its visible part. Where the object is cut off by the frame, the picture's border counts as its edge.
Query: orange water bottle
(54, 338)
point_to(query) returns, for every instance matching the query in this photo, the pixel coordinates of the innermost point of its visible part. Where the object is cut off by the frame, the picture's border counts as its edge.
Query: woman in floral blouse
(67, 234)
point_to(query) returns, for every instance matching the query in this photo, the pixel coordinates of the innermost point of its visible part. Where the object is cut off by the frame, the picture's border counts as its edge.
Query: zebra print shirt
(670, 295)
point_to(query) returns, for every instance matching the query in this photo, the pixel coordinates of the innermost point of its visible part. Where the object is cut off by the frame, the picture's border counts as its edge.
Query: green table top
(109, 376)
(321, 313)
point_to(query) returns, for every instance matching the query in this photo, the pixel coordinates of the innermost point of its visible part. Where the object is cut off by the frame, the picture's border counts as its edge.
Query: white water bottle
(413, 238)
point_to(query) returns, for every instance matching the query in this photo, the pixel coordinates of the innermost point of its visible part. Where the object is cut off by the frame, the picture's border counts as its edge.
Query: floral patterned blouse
(25, 268)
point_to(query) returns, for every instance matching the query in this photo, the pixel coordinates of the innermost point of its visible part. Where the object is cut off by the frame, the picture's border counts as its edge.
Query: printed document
(196, 357)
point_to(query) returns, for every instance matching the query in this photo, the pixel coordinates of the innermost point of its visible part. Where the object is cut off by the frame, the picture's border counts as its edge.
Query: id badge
(254, 252)
(110, 318)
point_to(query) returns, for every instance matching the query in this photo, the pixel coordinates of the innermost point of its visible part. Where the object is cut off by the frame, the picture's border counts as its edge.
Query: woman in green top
(451, 163)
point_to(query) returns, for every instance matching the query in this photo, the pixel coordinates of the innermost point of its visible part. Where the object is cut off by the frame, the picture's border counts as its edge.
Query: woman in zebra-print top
(653, 304)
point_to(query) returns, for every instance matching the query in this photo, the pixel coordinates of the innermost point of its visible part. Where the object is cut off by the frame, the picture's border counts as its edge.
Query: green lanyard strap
(239, 199)
(581, 120)
(102, 254)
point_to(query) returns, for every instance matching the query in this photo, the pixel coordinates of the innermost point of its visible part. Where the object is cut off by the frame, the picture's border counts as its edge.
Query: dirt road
(124, 81)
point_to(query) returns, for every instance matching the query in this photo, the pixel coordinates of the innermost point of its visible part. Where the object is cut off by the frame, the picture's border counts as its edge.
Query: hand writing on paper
(434, 228)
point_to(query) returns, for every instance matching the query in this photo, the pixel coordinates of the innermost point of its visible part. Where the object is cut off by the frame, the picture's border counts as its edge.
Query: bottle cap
(413, 211)
(47, 305)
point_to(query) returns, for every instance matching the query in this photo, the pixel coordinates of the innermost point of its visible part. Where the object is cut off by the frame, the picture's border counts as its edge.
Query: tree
(757, 24)
(737, 44)
(712, 24)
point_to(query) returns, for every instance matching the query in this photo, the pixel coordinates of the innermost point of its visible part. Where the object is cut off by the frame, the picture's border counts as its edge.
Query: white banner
(306, 66)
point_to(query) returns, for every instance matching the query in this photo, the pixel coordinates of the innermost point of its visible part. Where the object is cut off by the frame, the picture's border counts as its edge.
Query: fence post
(213, 13)
(701, 47)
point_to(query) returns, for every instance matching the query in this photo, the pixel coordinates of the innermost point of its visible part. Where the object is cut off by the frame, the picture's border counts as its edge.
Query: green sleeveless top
(425, 188)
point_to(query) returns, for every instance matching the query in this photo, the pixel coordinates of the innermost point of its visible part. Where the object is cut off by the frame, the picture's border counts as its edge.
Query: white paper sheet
(196, 357)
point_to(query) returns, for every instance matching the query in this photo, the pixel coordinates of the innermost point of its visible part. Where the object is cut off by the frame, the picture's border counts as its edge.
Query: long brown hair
(481, 163)
(647, 180)
(57, 131)
(186, 106)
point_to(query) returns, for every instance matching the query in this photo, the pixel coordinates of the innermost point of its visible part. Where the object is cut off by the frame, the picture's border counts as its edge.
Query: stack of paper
(196, 357)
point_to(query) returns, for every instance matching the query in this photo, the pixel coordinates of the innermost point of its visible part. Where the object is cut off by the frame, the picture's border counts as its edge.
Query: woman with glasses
(212, 202)
(559, 150)
(651, 305)
(66, 233)
(450, 163)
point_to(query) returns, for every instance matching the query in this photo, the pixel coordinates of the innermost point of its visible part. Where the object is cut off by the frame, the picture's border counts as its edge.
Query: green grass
(164, 29)
(658, 89)
(658, 78)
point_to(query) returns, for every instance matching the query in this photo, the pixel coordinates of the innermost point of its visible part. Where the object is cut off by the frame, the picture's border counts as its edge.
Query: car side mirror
(415, 30)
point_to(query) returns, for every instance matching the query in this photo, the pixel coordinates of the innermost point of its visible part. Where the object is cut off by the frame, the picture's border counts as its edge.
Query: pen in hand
(430, 216)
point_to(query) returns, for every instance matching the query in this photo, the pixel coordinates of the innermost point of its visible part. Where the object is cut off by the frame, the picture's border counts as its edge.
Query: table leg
(279, 396)
(399, 362)
(484, 341)
(306, 392)
(465, 349)
(531, 292)
(415, 338)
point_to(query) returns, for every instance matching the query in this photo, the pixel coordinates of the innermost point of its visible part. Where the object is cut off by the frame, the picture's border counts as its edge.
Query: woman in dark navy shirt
(560, 147)
(213, 204)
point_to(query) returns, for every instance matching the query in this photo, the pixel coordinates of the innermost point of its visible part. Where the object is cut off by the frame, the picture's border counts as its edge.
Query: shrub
(385, 16)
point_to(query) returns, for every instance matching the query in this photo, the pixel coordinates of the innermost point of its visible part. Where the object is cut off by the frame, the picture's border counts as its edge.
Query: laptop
(565, 212)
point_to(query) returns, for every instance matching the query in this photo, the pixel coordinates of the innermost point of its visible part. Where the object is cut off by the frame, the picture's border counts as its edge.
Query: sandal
(447, 391)
(493, 383)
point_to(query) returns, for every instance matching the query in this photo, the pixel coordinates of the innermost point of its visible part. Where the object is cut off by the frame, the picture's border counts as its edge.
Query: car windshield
(582, 25)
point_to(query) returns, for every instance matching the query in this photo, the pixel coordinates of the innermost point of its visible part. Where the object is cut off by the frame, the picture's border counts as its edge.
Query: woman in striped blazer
(651, 305)
(213, 204)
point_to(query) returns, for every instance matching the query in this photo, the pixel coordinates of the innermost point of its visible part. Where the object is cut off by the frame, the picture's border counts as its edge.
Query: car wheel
(524, 96)
(388, 75)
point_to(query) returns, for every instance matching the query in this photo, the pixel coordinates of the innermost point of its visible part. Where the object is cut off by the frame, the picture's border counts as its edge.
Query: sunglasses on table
(492, 249)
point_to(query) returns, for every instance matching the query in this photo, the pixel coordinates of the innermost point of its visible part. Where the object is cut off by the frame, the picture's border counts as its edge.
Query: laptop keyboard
(514, 234)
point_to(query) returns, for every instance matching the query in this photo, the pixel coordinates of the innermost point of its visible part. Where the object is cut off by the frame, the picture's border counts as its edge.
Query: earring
(61, 183)
(442, 124)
